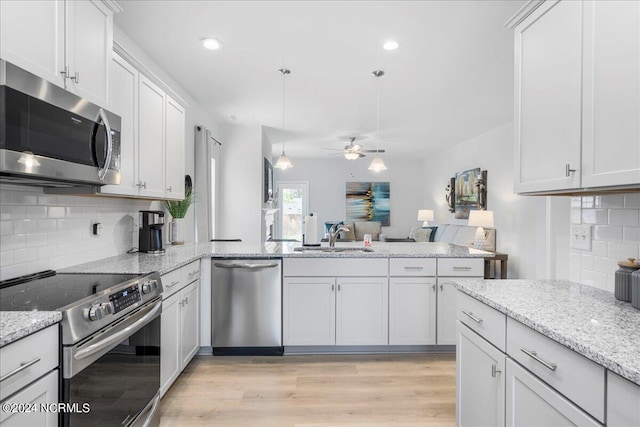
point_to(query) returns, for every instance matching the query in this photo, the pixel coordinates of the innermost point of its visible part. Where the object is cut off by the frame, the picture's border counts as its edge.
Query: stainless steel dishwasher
(246, 303)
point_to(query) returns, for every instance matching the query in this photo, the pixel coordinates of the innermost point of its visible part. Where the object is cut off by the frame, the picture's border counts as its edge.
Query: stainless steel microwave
(51, 137)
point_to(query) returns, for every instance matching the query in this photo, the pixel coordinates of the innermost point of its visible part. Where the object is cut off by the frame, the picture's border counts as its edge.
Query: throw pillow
(423, 235)
(349, 235)
(412, 233)
(414, 230)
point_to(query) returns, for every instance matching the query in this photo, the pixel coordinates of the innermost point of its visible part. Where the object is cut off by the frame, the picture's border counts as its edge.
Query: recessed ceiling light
(390, 45)
(212, 44)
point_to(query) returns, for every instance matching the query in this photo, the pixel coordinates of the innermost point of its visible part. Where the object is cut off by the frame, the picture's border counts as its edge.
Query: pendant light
(377, 164)
(283, 162)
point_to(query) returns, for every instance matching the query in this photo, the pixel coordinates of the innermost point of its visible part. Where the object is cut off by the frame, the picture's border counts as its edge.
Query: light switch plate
(581, 237)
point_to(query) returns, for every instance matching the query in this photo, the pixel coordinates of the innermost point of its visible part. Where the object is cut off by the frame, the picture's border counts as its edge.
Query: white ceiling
(450, 79)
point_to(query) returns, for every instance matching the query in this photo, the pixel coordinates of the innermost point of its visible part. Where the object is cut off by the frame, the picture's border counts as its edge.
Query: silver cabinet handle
(107, 128)
(472, 317)
(173, 284)
(194, 272)
(568, 170)
(411, 267)
(22, 367)
(441, 287)
(338, 287)
(65, 72)
(333, 288)
(462, 268)
(534, 356)
(169, 188)
(433, 287)
(494, 370)
(76, 78)
(246, 265)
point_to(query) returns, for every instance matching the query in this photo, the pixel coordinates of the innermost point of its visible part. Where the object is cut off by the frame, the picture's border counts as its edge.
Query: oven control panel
(125, 298)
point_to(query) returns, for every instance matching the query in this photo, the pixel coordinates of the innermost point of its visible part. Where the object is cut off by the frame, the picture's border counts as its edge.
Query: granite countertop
(18, 324)
(177, 256)
(585, 319)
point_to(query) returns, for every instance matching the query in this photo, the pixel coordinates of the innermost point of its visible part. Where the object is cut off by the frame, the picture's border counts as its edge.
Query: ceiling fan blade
(382, 150)
(333, 149)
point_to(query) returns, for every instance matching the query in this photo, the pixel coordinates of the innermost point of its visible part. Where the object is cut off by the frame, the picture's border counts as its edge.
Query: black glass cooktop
(47, 291)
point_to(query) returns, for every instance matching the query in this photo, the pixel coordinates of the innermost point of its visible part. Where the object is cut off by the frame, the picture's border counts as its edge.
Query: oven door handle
(92, 349)
(148, 413)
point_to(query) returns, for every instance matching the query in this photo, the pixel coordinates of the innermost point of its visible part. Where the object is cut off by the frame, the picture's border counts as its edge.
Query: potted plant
(178, 209)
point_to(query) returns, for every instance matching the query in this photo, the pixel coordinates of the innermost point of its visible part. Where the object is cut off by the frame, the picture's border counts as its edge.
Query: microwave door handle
(107, 161)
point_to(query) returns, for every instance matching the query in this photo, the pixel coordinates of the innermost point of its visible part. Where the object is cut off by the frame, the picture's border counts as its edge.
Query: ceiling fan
(354, 151)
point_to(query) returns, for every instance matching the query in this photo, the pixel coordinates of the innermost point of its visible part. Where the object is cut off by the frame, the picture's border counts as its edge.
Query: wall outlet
(581, 237)
(96, 228)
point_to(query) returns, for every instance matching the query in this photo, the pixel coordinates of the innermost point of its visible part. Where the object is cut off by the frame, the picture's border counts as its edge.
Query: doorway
(293, 206)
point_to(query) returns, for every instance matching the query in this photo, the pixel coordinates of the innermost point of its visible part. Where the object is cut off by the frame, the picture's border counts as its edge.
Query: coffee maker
(150, 233)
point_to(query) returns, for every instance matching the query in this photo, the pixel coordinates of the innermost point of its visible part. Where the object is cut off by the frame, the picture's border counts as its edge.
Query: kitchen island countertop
(588, 320)
(177, 256)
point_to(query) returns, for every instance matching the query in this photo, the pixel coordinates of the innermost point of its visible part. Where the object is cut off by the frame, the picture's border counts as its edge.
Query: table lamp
(480, 219)
(425, 215)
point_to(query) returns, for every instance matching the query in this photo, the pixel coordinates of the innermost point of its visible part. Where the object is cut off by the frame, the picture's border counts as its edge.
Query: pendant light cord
(377, 115)
(284, 72)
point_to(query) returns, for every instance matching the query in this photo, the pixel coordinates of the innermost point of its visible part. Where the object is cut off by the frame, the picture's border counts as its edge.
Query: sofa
(457, 234)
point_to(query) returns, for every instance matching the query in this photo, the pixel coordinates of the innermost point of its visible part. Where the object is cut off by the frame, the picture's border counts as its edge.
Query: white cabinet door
(362, 311)
(89, 42)
(623, 402)
(151, 139)
(480, 383)
(43, 391)
(412, 311)
(611, 128)
(189, 322)
(548, 98)
(309, 311)
(169, 342)
(531, 402)
(446, 312)
(175, 145)
(123, 101)
(32, 37)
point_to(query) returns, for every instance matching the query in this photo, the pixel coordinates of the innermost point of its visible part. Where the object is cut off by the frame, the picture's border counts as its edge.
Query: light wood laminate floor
(314, 391)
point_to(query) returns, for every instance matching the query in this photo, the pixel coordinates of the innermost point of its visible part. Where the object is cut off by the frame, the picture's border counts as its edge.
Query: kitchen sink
(334, 249)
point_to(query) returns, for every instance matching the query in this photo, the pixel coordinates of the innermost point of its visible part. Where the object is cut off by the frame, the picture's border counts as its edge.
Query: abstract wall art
(466, 197)
(368, 201)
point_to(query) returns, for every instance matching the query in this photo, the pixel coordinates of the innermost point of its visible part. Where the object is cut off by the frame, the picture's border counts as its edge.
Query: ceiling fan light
(283, 162)
(212, 44)
(377, 164)
(351, 155)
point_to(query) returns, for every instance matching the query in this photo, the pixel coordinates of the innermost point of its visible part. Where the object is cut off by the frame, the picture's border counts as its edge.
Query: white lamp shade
(283, 162)
(481, 219)
(425, 215)
(377, 164)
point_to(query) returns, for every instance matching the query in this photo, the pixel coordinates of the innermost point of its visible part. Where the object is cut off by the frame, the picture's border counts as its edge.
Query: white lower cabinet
(480, 383)
(180, 323)
(623, 402)
(412, 311)
(309, 311)
(43, 391)
(531, 402)
(362, 311)
(446, 318)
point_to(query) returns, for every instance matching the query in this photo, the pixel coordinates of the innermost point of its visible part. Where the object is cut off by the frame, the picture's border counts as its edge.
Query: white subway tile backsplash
(576, 216)
(607, 232)
(595, 216)
(631, 234)
(41, 231)
(616, 237)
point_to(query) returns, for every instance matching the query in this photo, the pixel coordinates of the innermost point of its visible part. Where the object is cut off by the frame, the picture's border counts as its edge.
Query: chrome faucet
(334, 231)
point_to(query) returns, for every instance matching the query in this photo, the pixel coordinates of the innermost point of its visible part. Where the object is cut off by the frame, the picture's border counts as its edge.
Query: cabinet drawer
(190, 272)
(461, 267)
(576, 377)
(412, 267)
(172, 282)
(487, 322)
(331, 267)
(43, 391)
(28, 359)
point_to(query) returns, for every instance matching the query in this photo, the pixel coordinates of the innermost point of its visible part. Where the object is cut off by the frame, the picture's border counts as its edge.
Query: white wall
(240, 183)
(615, 231)
(520, 221)
(327, 179)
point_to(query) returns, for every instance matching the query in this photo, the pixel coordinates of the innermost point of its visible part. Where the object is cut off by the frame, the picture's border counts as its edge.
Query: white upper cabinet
(68, 43)
(577, 96)
(151, 139)
(175, 145)
(548, 65)
(611, 126)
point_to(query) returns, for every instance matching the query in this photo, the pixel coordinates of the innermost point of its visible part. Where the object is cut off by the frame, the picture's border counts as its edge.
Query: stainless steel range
(110, 333)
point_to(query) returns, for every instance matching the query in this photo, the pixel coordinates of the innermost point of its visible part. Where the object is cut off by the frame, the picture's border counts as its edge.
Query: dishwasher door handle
(246, 265)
